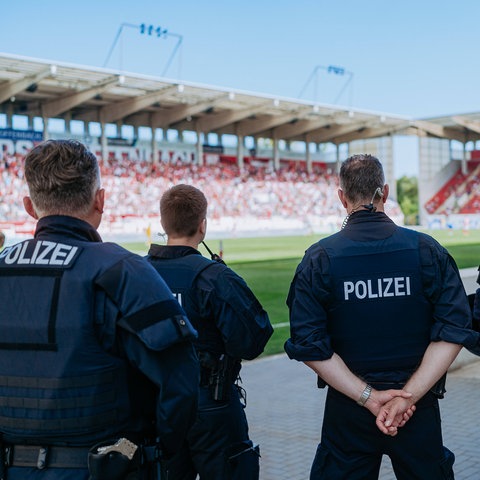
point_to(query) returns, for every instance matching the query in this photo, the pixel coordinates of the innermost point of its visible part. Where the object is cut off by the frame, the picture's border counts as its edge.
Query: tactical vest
(56, 380)
(180, 274)
(379, 315)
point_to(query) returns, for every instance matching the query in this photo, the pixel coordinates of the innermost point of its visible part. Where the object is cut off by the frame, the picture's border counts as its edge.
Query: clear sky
(416, 58)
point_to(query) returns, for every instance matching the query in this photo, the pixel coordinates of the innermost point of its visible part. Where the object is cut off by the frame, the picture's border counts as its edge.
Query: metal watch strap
(365, 395)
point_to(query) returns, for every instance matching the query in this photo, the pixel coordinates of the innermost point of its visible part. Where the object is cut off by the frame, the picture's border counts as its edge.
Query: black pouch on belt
(112, 461)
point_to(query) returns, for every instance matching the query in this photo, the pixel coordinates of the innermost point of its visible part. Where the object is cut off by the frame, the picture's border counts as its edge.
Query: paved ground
(285, 411)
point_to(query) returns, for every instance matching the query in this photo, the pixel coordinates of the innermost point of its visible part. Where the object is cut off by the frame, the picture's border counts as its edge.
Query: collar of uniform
(365, 216)
(64, 226)
(367, 226)
(171, 251)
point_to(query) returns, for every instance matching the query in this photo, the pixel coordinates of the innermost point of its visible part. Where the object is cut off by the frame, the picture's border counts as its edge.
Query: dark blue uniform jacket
(225, 312)
(93, 345)
(376, 294)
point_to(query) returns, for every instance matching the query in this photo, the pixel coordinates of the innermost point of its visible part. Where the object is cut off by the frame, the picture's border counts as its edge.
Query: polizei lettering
(42, 253)
(178, 296)
(378, 288)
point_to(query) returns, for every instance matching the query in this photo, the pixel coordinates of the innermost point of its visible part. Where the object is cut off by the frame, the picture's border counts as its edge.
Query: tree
(407, 191)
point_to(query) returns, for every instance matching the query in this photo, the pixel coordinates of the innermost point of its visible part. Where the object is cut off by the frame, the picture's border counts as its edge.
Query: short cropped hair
(62, 177)
(360, 177)
(182, 209)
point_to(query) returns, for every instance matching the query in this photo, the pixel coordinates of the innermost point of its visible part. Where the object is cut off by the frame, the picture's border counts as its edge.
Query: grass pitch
(268, 264)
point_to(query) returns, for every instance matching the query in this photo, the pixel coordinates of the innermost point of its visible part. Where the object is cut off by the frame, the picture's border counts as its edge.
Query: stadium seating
(133, 190)
(458, 194)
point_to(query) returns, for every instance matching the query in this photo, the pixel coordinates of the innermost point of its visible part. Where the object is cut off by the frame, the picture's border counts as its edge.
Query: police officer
(231, 325)
(96, 359)
(379, 312)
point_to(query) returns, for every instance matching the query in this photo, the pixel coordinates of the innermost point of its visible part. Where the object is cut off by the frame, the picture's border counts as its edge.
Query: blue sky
(415, 58)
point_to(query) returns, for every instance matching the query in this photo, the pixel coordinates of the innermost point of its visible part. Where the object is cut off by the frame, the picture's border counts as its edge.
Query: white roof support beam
(117, 111)
(370, 132)
(176, 114)
(211, 123)
(254, 127)
(53, 108)
(301, 127)
(472, 125)
(431, 128)
(438, 130)
(324, 135)
(12, 88)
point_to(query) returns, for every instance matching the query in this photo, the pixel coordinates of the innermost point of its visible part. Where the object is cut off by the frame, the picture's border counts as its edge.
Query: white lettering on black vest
(44, 253)
(381, 288)
(178, 296)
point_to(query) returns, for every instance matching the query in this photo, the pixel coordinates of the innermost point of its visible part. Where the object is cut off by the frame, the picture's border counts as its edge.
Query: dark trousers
(218, 446)
(352, 447)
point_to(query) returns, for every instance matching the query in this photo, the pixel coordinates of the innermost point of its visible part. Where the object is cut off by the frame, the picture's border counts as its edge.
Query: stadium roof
(53, 89)
(463, 128)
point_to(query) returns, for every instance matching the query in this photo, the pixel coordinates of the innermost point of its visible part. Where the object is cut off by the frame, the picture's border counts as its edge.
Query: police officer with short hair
(97, 363)
(379, 312)
(231, 325)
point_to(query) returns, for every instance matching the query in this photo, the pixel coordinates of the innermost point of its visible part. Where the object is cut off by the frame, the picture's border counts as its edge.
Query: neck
(183, 242)
(377, 207)
(358, 208)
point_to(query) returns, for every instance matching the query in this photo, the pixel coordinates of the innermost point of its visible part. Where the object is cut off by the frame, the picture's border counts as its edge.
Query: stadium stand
(133, 190)
(175, 121)
(458, 194)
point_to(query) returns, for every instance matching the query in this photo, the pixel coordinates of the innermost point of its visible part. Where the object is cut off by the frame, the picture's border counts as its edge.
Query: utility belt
(108, 460)
(438, 390)
(218, 374)
(44, 457)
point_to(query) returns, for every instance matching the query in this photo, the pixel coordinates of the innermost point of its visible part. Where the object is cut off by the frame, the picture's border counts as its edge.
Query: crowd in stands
(13, 188)
(137, 186)
(133, 189)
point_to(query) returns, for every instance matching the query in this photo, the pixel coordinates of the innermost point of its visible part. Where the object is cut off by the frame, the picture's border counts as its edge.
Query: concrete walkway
(285, 411)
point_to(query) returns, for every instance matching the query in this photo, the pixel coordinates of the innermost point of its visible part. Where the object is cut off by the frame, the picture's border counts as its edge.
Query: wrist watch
(365, 395)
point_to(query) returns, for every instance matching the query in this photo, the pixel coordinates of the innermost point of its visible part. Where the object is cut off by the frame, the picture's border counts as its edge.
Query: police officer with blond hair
(97, 369)
(379, 313)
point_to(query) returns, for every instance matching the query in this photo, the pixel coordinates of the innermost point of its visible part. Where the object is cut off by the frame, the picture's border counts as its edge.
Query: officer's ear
(342, 198)
(29, 208)
(385, 191)
(202, 228)
(99, 200)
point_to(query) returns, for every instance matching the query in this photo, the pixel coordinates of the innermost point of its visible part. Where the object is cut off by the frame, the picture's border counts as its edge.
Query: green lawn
(270, 280)
(267, 264)
(246, 249)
